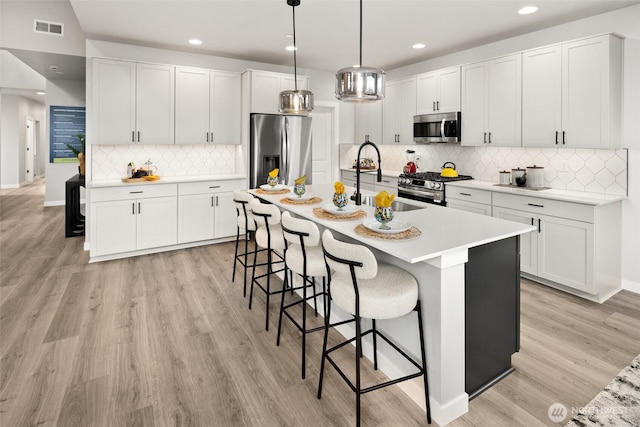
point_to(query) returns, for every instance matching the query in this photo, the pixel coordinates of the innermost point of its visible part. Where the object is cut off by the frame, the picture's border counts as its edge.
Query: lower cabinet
(367, 180)
(469, 199)
(574, 245)
(125, 219)
(206, 210)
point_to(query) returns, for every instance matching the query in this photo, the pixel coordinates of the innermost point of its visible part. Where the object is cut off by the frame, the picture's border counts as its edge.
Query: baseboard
(630, 285)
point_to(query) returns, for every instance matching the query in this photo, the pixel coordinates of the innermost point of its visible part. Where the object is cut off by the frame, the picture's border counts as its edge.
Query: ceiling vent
(55, 28)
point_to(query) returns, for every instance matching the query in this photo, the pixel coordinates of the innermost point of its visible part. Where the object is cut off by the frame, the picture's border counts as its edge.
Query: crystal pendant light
(295, 101)
(359, 83)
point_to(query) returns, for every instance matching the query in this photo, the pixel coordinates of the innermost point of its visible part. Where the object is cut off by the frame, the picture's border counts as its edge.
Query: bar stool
(245, 224)
(365, 289)
(269, 237)
(303, 256)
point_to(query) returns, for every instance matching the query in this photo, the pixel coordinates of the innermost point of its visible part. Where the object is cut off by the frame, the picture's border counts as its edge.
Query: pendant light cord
(360, 34)
(295, 67)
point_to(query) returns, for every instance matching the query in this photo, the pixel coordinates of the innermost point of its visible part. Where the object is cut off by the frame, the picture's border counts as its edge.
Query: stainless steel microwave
(440, 127)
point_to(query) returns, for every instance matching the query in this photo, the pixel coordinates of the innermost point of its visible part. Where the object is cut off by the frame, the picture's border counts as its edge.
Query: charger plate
(324, 214)
(291, 200)
(411, 233)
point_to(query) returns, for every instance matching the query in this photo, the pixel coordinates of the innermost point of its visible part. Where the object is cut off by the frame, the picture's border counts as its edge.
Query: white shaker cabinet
(572, 94)
(126, 219)
(261, 89)
(207, 107)
(492, 102)
(438, 91)
(368, 122)
(469, 199)
(575, 247)
(399, 107)
(133, 102)
(206, 210)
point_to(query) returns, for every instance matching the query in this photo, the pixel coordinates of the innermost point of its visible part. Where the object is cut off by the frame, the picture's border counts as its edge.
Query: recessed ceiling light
(195, 42)
(527, 10)
(53, 67)
(419, 46)
(40, 93)
(291, 48)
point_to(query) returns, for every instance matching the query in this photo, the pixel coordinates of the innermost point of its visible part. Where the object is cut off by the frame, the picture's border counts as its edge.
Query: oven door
(434, 197)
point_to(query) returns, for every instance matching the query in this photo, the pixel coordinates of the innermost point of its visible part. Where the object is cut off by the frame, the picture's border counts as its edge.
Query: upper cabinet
(571, 94)
(207, 107)
(264, 87)
(439, 91)
(368, 122)
(399, 107)
(492, 101)
(133, 102)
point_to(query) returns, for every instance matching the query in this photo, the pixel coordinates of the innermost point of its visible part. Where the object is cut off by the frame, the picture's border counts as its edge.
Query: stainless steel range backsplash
(590, 170)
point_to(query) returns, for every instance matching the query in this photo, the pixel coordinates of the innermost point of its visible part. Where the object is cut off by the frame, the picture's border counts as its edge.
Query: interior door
(322, 145)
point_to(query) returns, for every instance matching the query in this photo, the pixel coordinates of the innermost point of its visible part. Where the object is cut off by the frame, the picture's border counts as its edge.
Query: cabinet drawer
(130, 192)
(469, 194)
(576, 211)
(387, 181)
(368, 178)
(205, 187)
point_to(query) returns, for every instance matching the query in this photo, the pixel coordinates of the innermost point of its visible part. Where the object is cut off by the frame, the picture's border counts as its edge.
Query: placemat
(321, 213)
(272, 193)
(411, 233)
(311, 201)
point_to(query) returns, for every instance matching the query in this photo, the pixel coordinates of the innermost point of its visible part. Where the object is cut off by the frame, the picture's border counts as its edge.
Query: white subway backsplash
(589, 170)
(110, 161)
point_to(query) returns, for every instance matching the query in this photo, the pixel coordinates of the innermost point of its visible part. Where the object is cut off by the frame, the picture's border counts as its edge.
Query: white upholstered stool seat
(245, 224)
(269, 237)
(365, 289)
(304, 257)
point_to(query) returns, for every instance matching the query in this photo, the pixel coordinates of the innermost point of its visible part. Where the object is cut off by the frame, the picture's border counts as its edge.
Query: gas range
(426, 187)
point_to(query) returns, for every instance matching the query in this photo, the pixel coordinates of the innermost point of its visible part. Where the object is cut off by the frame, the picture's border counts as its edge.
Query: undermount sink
(396, 205)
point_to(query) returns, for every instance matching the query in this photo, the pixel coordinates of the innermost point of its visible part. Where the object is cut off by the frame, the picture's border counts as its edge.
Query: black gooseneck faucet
(357, 196)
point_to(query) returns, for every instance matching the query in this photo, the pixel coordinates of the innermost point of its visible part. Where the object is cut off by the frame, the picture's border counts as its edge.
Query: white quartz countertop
(551, 193)
(165, 180)
(443, 230)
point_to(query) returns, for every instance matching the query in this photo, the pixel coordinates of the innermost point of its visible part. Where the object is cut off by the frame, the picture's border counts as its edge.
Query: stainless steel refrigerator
(279, 141)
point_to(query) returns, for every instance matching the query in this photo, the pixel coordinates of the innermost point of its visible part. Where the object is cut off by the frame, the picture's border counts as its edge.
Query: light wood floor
(167, 340)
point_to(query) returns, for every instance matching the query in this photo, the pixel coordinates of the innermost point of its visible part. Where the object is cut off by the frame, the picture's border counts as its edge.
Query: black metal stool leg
(424, 362)
(324, 345)
(375, 345)
(235, 255)
(284, 287)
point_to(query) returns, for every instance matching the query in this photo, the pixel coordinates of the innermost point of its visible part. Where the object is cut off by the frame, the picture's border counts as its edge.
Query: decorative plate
(347, 210)
(277, 187)
(305, 196)
(395, 226)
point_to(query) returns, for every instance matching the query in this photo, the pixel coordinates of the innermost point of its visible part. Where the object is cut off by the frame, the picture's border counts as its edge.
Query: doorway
(325, 142)
(30, 153)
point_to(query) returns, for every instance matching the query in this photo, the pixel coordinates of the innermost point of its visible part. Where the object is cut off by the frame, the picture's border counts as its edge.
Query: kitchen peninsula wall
(589, 170)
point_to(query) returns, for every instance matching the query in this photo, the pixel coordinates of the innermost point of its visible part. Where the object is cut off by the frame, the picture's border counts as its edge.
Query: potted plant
(79, 153)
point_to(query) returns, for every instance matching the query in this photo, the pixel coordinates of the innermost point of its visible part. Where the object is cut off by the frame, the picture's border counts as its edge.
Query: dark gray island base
(492, 313)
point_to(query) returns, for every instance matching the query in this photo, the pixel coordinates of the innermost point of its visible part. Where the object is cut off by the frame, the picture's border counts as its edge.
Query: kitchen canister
(535, 176)
(517, 173)
(505, 177)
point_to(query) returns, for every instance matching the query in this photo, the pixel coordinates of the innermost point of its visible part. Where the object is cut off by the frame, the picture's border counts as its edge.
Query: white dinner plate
(277, 187)
(395, 226)
(305, 196)
(331, 208)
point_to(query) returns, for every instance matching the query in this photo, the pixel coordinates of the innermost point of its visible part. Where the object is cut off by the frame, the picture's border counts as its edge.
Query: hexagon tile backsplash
(109, 162)
(590, 170)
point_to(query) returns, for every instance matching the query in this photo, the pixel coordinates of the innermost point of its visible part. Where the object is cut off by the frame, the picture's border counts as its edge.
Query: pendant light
(295, 101)
(359, 83)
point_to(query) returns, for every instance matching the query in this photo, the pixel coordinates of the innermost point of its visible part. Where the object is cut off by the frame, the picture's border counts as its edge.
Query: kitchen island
(467, 267)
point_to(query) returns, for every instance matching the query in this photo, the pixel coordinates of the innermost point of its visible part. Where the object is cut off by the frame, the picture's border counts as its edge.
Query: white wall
(69, 93)
(624, 22)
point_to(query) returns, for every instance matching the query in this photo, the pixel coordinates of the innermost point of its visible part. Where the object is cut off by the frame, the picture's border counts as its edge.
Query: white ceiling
(326, 30)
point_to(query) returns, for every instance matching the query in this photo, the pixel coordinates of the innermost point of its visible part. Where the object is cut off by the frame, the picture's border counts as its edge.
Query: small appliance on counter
(411, 166)
(535, 177)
